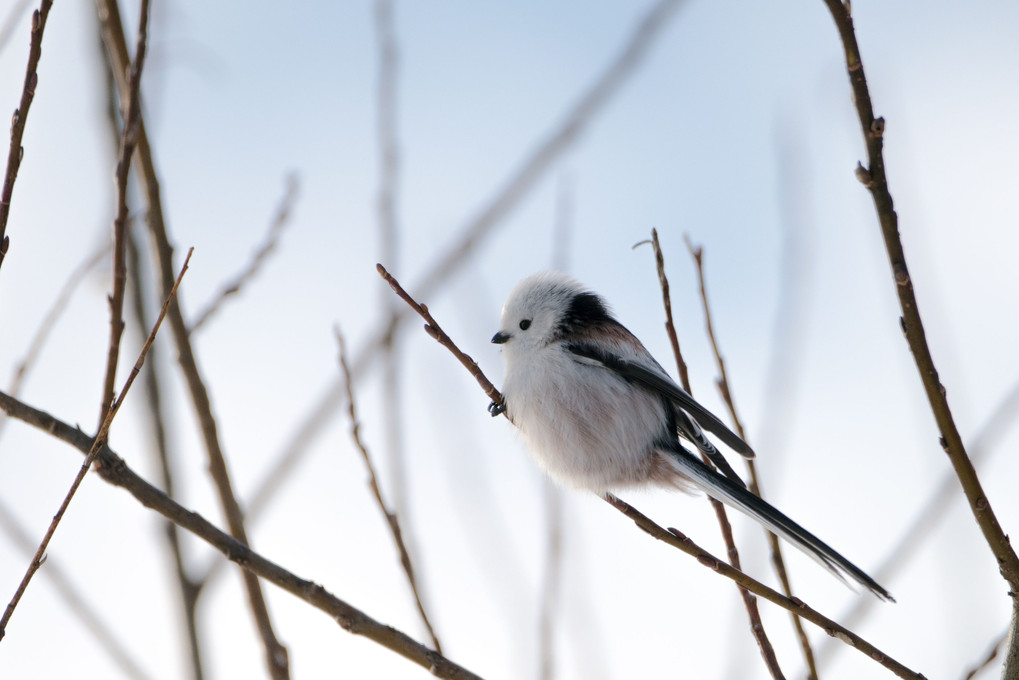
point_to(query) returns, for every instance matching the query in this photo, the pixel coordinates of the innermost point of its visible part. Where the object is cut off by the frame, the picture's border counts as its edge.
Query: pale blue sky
(738, 128)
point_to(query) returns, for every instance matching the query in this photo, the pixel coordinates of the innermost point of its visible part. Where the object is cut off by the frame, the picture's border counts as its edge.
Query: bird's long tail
(725, 490)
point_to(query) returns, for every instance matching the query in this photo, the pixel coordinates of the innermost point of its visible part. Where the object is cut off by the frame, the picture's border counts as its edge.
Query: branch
(749, 601)
(373, 482)
(18, 120)
(117, 472)
(672, 537)
(874, 178)
(279, 223)
(777, 560)
(116, 45)
(98, 442)
(127, 144)
(188, 590)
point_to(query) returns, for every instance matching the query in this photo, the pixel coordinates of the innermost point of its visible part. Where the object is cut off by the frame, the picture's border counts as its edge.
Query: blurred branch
(100, 439)
(672, 537)
(127, 144)
(874, 178)
(188, 589)
(17, 152)
(49, 321)
(279, 223)
(389, 176)
(749, 601)
(113, 37)
(516, 187)
(777, 561)
(76, 604)
(391, 519)
(991, 655)
(116, 471)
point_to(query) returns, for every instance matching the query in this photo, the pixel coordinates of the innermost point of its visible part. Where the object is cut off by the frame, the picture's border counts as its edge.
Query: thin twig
(373, 482)
(279, 223)
(749, 601)
(76, 603)
(17, 152)
(875, 179)
(433, 329)
(127, 144)
(188, 590)
(116, 471)
(100, 439)
(672, 537)
(777, 561)
(112, 29)
(510, 193)
(42, 333)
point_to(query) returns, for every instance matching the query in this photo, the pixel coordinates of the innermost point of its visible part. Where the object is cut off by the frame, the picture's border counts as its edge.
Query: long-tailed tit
(599, 413)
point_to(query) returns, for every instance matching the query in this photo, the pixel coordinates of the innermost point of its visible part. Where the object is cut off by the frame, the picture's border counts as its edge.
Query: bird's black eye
(525, 324)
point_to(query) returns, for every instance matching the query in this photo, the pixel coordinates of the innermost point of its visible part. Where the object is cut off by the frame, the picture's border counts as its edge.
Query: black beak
(500, 337)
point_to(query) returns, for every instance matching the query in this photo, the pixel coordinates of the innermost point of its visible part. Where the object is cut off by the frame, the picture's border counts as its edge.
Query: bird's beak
(500, 337)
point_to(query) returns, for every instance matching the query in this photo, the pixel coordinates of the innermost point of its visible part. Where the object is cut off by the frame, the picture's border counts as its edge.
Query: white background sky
(738, 129)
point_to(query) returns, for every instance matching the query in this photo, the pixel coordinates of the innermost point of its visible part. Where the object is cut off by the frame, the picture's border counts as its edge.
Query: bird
(598, 413)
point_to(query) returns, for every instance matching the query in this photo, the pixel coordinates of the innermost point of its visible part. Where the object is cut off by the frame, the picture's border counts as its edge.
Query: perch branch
(672, 537)
(116, 471)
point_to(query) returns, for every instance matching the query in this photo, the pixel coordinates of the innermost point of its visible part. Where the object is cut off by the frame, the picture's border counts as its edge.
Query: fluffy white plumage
(597, 411)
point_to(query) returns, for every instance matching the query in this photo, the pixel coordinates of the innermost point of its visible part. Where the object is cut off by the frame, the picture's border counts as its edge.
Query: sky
(736, 129)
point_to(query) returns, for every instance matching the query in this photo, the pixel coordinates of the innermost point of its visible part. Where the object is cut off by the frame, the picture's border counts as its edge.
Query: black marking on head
(585, 310)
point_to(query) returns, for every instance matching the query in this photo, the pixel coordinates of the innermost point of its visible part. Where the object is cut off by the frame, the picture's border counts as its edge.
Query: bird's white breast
(585, 425)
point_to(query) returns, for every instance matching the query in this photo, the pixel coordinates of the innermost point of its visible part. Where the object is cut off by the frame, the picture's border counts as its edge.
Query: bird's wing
(654, 378)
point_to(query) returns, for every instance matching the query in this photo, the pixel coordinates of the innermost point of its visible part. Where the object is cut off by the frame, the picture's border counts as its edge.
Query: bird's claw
(497, 408)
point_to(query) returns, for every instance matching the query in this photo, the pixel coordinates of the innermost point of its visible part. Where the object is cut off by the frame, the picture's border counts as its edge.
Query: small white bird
(599, 413)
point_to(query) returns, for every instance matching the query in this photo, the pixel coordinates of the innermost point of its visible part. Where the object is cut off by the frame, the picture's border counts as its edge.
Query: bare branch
(672, 537)
(113, 37)
(127, 144)
(279, 223)
(100, 439)
(373, 482)
(749, 601)
(876, 181)
(188, 589)
(114, 470)
(777, 560)
(17, 152)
